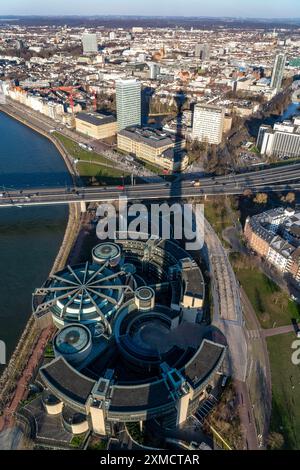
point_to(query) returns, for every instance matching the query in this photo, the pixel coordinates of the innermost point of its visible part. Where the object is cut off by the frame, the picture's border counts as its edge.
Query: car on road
(121, 187)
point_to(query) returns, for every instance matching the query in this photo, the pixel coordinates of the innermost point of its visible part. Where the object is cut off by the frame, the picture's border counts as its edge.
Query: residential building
(275, 236)
(208, 123)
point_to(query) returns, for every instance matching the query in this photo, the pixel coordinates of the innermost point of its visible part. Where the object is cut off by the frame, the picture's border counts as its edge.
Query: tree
(247, 193)
(290, 198)
(275, 441)
(261, 198)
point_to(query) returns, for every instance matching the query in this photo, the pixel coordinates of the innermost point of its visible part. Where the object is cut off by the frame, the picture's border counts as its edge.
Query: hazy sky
(250, 8)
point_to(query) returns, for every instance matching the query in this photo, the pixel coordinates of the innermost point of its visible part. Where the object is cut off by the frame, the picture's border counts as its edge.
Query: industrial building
(96, 125)
(130, 344)
(157, 147)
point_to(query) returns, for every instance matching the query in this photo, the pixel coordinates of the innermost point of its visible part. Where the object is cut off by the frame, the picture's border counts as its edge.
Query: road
(286, 178)
(228, 318)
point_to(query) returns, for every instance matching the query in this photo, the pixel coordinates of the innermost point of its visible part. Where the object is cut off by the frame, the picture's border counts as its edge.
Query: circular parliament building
(131, 343)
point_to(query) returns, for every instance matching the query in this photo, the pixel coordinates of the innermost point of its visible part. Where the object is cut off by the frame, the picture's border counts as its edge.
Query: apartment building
(208, 124)
(275, 236)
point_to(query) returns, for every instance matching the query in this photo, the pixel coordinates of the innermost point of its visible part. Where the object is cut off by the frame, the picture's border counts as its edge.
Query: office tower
(282, 140)
(89, 43)
(202, 51)
(154, 71)
(112, 35)
(278, 71)
(261, 134)
(128, 94)
(208, 123)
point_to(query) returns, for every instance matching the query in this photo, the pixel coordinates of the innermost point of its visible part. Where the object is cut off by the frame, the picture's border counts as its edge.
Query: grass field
(87, 170)
(285, 390)
(272, 306)
(217, 215)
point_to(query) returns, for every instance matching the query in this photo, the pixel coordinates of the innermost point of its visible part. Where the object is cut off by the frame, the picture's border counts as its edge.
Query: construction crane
(66, 89)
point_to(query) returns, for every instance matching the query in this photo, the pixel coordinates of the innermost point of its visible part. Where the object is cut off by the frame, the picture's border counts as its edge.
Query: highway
(281, 178)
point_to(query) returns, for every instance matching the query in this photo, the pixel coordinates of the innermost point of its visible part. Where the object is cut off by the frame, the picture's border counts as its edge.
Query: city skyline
(233, 8)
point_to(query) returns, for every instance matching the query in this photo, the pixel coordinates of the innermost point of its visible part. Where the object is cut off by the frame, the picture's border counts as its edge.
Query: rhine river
(30, 238)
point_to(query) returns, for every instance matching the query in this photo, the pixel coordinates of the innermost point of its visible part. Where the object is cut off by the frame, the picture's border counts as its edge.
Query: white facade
(208, 124)
(278, 72)
(128, 94)
(89, 43)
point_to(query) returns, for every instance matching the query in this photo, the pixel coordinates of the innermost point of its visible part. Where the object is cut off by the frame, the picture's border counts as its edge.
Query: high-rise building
(208, 123)
(128, 94)
(89, 43)
(154, 71)
(282, 140)
(202, 51)
(278, 71)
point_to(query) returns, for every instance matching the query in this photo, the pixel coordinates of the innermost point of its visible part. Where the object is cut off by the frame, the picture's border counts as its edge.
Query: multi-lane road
(281, 178)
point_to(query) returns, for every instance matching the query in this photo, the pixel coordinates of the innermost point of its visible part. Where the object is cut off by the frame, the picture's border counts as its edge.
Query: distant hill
(154, 22)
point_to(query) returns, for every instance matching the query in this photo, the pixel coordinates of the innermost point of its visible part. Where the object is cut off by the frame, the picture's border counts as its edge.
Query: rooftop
(148, 136)
(59, 375)
(96, 119)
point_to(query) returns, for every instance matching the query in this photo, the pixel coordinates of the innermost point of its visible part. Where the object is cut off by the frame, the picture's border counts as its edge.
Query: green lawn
(79, 153)
(91, 172)
(272, 306)
(285, 390)
(217, 215)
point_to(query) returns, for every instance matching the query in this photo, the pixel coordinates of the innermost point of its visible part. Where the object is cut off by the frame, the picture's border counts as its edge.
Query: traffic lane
(148, 193)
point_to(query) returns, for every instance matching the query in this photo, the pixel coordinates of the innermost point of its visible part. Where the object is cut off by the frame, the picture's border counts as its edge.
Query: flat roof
(204, 362)
(136, 398)
(96, 119)
(59, 375)
(148, 136)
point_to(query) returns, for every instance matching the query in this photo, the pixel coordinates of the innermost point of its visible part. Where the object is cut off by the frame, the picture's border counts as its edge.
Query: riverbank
(27, 355)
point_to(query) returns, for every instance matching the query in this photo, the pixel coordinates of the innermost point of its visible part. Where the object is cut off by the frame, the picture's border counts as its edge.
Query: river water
(29, 237)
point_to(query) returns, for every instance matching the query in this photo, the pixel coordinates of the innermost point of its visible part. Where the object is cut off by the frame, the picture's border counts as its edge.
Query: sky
(232, 8)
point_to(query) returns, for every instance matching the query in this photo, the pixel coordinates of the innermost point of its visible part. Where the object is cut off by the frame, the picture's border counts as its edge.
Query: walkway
(228, 317)
(281, 330)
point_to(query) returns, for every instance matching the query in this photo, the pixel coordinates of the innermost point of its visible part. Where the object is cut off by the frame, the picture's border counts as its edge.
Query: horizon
(120, 15)
(269, 9)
